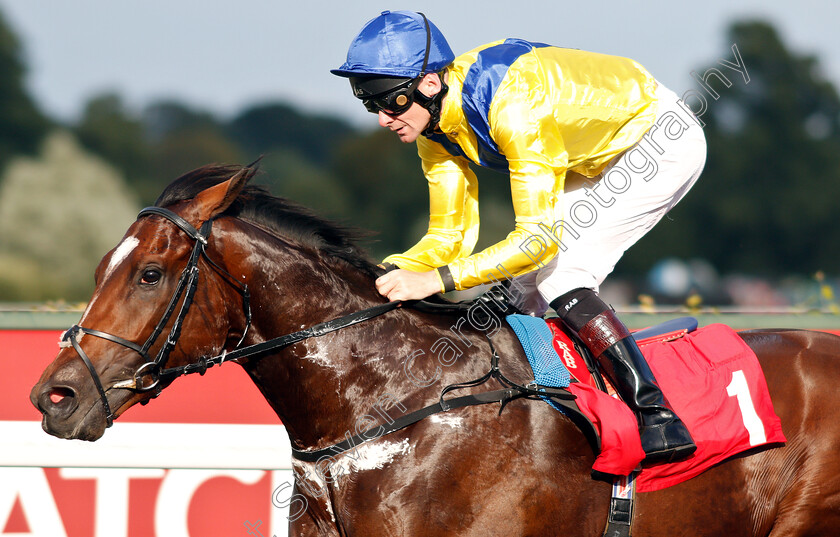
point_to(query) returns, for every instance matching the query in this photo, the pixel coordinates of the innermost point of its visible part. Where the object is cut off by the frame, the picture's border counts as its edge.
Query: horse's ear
(216, 199)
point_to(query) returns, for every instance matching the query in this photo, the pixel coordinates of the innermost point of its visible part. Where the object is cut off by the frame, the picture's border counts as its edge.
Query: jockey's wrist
(388, 266)
(446, 280)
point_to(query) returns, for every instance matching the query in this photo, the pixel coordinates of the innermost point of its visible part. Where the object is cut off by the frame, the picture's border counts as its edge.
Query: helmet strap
(433, 104)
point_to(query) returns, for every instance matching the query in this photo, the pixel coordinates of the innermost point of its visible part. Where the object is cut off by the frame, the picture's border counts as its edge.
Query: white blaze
(121, 252)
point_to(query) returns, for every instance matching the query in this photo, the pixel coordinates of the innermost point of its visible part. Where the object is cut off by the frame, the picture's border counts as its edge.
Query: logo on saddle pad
(568, 357)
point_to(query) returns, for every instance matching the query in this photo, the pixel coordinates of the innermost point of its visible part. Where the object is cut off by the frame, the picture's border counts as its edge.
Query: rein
(186, 287)
(282, 342)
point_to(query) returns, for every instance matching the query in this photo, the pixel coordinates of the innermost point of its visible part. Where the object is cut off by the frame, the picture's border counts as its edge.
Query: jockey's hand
(407, 285)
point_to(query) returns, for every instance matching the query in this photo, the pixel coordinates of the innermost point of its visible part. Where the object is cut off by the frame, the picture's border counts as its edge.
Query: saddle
(710, 377)
(713, 362)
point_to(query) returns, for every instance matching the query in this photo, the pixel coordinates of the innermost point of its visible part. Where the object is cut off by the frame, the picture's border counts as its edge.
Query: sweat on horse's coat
(523, 472)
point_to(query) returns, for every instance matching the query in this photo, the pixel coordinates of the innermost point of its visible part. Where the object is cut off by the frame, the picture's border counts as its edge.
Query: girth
(511, 392)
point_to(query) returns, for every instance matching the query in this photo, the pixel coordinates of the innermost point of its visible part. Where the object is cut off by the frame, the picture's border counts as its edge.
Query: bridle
(156, 368)
(187, 284)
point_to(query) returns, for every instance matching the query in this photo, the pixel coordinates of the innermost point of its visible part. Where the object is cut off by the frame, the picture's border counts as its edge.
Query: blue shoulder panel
(480, 85)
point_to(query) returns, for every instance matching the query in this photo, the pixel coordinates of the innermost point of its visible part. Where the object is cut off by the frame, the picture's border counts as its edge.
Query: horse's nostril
(59, 394)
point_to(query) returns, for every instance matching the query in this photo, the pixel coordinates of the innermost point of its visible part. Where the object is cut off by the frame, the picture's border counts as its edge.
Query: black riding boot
(664, 436)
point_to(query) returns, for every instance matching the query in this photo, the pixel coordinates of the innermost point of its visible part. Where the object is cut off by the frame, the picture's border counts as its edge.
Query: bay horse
(269, 267)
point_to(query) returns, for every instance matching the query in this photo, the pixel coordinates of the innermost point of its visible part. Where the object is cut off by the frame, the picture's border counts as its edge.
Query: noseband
(156, 369)
(187, 283)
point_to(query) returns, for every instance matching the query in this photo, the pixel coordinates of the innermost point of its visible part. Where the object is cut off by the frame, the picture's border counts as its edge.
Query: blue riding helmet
(388, 59)
(397, 44)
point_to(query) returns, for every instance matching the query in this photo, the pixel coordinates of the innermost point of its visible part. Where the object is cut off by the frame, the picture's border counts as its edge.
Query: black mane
(281, 216)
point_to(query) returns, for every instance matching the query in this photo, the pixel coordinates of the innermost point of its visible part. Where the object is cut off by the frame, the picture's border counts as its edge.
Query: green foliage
(766, 202)
(387, 189)
(182, 139)
(59, 214)
(264, 128)
(108, 129)
(286, 173)
(21, 124)
(153, 148)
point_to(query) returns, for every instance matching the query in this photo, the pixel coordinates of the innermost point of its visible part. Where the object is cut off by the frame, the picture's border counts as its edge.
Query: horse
(267, 267)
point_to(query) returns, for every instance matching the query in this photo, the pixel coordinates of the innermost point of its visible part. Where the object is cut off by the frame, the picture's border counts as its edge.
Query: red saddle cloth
(712, 380)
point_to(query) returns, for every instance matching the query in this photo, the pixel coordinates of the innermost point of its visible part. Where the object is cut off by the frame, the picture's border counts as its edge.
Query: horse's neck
(321, 384)
(327, 386)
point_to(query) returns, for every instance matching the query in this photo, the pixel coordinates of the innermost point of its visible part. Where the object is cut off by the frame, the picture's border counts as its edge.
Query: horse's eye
(150, 277)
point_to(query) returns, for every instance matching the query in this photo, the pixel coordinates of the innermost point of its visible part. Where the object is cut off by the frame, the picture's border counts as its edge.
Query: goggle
(394, 102)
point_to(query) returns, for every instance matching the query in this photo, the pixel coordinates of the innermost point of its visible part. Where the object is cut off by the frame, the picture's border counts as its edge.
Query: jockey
(597, 152)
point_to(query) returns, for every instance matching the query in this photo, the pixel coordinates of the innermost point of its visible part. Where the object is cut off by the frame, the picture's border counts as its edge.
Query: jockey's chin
(409, 125)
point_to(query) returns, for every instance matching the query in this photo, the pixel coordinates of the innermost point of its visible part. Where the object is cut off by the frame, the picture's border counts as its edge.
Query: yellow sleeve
(453, 211)
(525, 131)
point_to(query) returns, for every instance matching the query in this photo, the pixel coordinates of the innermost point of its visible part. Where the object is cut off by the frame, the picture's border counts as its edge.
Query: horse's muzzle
(56, 402)
(66, 414)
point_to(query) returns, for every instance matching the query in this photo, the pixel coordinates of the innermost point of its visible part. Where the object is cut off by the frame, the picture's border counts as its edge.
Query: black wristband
(389, 267)
(446, 278)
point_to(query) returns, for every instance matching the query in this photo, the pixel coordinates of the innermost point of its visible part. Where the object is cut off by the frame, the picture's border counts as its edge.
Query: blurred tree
(263, 128)
(287, 173)
(386, 187)
(21, 124)
(183, 139)
(59, 214)
(766, 202)
(391, 197)
(165, 119)
(110, 130)
(296, 149)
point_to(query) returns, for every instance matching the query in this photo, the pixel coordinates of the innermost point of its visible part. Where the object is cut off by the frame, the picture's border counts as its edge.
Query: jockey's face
(411, 123)
(407, 125)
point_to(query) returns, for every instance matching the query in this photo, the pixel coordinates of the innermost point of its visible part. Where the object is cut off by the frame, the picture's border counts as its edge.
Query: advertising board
(207, 458)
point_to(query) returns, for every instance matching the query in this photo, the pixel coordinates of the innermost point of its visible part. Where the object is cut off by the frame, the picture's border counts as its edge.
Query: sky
(223, 56)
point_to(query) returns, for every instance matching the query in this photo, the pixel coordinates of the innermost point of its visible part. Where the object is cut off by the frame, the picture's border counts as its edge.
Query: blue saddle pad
(536, 339)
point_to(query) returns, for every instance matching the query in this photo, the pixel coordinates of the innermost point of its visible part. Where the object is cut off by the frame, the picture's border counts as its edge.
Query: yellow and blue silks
(533, 111)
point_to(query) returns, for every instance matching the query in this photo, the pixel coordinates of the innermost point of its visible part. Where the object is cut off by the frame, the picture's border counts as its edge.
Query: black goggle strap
(385, 100)
(408, 94)
(433, 104)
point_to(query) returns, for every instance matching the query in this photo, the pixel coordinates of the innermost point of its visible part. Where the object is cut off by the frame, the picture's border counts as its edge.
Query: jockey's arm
(537, 161)
(453, 213)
